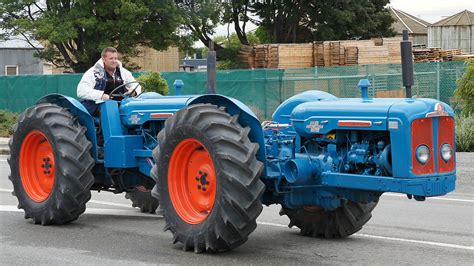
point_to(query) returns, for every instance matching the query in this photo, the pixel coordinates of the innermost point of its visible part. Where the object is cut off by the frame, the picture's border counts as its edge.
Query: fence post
(437, 81)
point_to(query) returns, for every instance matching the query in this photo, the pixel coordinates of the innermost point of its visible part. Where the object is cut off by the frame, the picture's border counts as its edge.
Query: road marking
(135, 213)
(387, 194)
(430, 198)
(430, 243)
(94, 211)
(110, 203)
(3, 160)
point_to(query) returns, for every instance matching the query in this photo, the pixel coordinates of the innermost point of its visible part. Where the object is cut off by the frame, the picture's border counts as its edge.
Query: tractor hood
(361, 114)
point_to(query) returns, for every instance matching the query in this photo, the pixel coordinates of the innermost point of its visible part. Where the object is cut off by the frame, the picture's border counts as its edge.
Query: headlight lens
(446, 152)
(422, 154)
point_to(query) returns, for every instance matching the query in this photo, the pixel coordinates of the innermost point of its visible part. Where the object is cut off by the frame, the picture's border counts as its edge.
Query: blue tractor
(211, 164)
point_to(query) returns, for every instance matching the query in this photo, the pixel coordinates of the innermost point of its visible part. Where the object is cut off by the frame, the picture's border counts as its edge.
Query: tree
(231, 46)
(75, 31)
(200, 18)
(465, 90)
(293, 21)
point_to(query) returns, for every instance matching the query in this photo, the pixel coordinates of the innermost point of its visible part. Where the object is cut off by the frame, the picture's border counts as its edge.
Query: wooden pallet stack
(318, 54)
(295, 55)
(273, 57)
(434, 54)
(337, 54)
(247, 56)
(260, 56)
(351, 55)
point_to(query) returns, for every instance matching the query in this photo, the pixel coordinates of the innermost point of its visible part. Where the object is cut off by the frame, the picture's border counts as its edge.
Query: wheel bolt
(197, 178)
(199, 186)
(203, 189)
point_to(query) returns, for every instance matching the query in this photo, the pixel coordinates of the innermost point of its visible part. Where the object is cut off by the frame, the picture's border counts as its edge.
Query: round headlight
(422, 154)
(446, 152)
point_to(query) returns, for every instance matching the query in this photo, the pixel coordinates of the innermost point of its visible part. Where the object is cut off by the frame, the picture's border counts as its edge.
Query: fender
(78, 110)
(246, 118)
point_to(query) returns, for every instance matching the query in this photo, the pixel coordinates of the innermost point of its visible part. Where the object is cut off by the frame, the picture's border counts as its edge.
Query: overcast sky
(428, 10)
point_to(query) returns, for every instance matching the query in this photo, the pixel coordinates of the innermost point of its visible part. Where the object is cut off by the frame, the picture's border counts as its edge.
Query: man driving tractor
(103, 78)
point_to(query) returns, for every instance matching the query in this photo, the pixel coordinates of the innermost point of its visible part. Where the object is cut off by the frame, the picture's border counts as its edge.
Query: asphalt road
(438, 231)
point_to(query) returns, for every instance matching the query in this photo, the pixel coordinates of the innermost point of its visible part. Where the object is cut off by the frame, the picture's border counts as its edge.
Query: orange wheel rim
(37, 166)
(192, 181)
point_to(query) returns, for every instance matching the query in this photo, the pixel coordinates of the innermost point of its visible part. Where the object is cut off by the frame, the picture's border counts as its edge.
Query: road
(438, 231)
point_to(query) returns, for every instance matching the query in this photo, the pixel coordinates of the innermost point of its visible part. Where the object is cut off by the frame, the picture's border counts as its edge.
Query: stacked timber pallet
(318, 54)
(434, 54)
(351, 55)
(283, 55)
(247, 56)
(295, 55)
(328, 53)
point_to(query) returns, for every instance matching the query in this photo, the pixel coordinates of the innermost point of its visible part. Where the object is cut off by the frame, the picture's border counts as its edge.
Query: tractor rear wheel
(141, 198)
(50, 165)
(339, 223)
(207, 179)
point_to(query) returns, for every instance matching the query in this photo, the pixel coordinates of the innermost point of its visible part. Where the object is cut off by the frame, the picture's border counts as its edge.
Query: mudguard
(246, 117)
(77, 109)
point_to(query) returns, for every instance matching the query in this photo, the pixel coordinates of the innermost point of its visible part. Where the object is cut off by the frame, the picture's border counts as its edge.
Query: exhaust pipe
(407, 63)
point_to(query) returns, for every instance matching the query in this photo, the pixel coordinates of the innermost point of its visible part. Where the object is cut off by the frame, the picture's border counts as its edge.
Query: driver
(101, 79)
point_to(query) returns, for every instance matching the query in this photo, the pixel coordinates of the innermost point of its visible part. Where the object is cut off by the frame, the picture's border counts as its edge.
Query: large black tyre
(141, 198)
(339, 223)
(52, 135)
(238, 192)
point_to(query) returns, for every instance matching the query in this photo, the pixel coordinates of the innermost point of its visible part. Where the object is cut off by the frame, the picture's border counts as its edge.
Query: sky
(428, 10)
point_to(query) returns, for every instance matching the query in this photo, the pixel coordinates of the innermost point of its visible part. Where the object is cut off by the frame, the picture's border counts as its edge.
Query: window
(11, 70)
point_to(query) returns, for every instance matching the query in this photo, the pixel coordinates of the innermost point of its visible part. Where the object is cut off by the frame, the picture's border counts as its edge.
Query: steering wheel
(119, 96)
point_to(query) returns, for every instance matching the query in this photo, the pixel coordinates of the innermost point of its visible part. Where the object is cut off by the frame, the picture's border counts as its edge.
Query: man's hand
(105, 97)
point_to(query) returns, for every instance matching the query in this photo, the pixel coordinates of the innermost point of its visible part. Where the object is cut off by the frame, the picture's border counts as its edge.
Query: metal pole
(437, 81)
(407, 63)
(211, 69)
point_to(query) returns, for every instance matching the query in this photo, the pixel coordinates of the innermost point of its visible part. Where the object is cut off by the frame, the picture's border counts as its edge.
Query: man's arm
(85, 88)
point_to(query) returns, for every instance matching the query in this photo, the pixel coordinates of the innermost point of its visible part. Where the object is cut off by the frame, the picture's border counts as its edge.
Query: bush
(465, 90)
(153, 82)
(7, 119)
(465, 133)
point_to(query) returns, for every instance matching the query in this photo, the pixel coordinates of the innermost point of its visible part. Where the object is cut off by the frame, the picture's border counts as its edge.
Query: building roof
(19, 43)
(405, 21)
(463, 18)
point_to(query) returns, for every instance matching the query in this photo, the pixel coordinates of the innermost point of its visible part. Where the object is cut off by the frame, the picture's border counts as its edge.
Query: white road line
(94, 211)
(110, 203)
(430, 198)
(135, 213)
(387, 194)
(430, 243)
(3, 160)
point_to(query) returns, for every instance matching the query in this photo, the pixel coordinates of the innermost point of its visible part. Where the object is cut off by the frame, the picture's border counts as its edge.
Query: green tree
(231, 47)
(465, 90)
(153, 82)
(75, 31)
(291, 21)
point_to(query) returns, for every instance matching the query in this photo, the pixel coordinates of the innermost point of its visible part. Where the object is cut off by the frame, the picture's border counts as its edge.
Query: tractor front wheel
(50, 165)
(207, 179)
(339, 223)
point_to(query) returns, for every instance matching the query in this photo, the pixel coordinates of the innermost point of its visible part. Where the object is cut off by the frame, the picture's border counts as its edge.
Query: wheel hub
(192, 181)
(37, 166)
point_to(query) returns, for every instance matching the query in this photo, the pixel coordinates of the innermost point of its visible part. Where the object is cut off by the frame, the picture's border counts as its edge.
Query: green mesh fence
(263, 89)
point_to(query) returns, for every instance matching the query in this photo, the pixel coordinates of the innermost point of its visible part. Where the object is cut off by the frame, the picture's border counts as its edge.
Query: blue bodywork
(318, 149)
